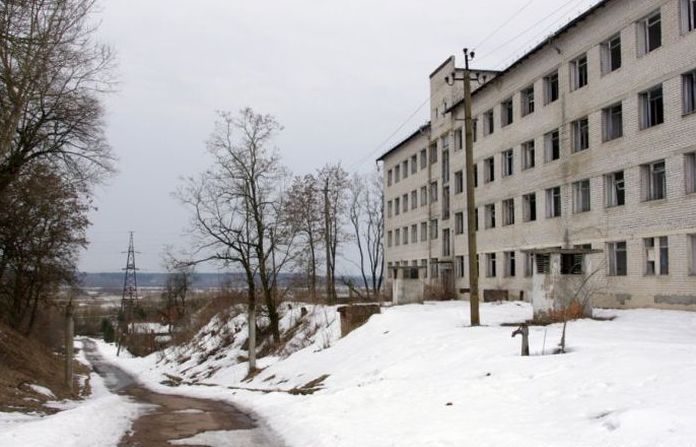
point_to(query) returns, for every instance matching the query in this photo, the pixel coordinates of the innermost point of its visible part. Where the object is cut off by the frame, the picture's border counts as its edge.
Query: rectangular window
(488, 170)
(580, 134)
(656, 256)
(528, 156)
(529, 207)
(424, 267)
(653, 181)
(507, 163)
(571, 264)
(433, 154)
(423, 159)
(433, 192)
(508, 212)
(414, 233)
(389, 238)
(688, 15)
(433, 229)
(424, 231)
(581, 196)
(404, 201)
(414, 199)
(488, 123)
(414, 164)
(458, 140)
(614, 189)
(434, 268)
(617, 262)
(550, 87)
(553, 202)
(397, 206)
(404, 233)
(690, 172)
(543, 264)
(476, 219)
(446, 251)
(424, 195)
(445, 167)
(405, 168)
(397, 173)
(459, 182)
(459, 223)
(475, 176)
(651, 107)
(528, 264)
(527, 100)
(489, 215)
(689, 92)
(509, 264)
(552, 146)
(490, 265)
(389, 177)
(610, 53)
(506, 112)
(474, 128)
(649, 32)
(389, 208)
(460, 266)
(612, 122)
(692, 254)
(397, 237)
(578, 72)
(445, 203)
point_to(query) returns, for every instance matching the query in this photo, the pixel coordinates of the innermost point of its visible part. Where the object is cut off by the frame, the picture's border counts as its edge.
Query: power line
(494, 32)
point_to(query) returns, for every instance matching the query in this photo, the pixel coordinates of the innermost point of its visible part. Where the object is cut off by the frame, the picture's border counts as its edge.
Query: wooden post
(69, 346)
(524, 332)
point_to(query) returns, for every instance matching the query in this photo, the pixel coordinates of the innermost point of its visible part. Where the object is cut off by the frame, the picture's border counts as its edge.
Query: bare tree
(51, 75)
(177, 287)
(236, 205)
(333, 183)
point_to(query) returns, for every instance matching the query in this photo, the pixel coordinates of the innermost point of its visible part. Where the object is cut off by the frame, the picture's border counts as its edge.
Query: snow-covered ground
(419, 376)
(99, 420)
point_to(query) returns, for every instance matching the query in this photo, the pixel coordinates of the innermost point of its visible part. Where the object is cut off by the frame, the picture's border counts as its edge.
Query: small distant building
(408, 286)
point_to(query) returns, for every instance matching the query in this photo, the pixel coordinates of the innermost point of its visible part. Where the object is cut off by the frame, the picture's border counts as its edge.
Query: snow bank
(99, 420)
(418, 375)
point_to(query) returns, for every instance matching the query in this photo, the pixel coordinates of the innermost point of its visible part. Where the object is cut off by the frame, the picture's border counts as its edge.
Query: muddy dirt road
(177, 420)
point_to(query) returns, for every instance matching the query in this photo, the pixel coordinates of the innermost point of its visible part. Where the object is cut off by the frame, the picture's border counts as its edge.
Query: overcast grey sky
(340, 76)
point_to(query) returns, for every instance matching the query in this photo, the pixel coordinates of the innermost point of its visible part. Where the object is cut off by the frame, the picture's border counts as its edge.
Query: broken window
(615, 189)
(616, 252)
(529, 205)
(552, 146)
(571, 264)
(653, 181)
(578, 72)
(656, 255)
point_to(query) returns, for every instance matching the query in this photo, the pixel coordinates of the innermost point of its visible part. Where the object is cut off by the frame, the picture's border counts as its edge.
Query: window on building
(434, 268)
(506, 112)
(424, 267)
(610, 53)
(578, 72)
(690, 172)
(389, 177)
(444, 142)
(405, 168)
(424, 231)
(458, 139)
(397, 237)
(397, 206)
(508, 212)
(656, 256)
(423, 159)
(528, 264)
(528, 156)
(488, 123)
(414, 233)
(433, 154)
(414, 164)
(553, 202)
(490, 265)
(488, 170)
(445, 166)
(617, 259)
(571, 264)
(509, 259)
(688, 15)
(552, 146)
(581, 196)
(389, 208)
(527, 100)
(489, 215)
(404, 233)
(474, 128)
(389, 238)
(612, 122)
(445, 203)
(651, 108)
(475, 176)
(689, 92)
(460, 266)
(446, 246)
(543, 264)
(507, 163)
(476, 219)
(529, 207)
(404, 201)
(550, 87)
(649, 33)
(614, 187)
(580, 134)
(692, 254)
(433, 192)
(397, 173)
(414, 199)
(653, 181)
(459, 182)
(459, 223)
(389, 270)
(433, 229)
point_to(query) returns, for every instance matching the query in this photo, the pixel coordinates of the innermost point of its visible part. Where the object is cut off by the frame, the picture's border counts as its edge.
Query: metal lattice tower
(130, 281)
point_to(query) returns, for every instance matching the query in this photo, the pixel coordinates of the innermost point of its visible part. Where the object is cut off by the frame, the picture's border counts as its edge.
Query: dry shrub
(437, 292)
(574, 311)
(217, 303)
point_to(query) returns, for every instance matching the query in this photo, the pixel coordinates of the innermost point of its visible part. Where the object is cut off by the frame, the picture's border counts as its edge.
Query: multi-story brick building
(589, 139)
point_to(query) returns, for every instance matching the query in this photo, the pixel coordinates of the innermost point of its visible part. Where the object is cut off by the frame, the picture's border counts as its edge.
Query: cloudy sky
(341, 77)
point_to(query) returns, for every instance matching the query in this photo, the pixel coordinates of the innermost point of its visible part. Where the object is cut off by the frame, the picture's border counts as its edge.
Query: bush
(108, 331)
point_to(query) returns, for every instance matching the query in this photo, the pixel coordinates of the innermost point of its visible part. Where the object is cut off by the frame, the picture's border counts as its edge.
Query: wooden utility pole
(69, 345)
(470, 200)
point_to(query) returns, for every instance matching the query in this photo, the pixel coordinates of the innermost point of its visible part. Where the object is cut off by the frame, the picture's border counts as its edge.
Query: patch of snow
(42, 390)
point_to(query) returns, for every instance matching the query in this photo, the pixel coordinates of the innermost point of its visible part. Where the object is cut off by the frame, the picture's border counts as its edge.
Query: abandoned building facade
(588, 140)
